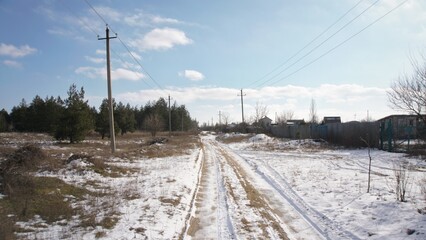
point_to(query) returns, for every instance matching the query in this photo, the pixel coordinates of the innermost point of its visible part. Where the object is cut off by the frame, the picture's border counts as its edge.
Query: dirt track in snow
(228, 203)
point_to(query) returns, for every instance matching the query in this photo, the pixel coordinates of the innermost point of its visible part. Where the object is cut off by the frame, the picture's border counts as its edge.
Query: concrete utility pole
(242, 105)
(220, 118)
(170, 119)
(110, 105)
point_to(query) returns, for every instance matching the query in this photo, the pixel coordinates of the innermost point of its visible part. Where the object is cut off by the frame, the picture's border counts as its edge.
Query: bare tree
(408, 93)
(225, 118)
(260, 111)
(313, 117)
(369, 163)
(154, 123)
(284, 116)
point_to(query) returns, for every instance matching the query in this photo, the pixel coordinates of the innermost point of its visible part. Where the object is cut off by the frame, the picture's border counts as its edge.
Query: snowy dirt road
(234, 201)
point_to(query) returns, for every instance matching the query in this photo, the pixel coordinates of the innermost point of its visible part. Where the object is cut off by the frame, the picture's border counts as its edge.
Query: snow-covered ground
(328, 187)
(257, 188)
(151, 201)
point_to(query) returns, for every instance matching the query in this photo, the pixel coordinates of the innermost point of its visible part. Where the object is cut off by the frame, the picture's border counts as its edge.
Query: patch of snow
(260, 137)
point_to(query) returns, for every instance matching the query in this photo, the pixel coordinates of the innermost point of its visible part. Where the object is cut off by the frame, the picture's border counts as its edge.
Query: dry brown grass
(41, 196)
(256, 200)
(172, 201)
(7, 224)
(28, 195)
(174, 146)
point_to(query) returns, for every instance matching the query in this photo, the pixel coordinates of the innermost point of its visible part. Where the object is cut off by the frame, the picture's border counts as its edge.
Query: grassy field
(29, 189)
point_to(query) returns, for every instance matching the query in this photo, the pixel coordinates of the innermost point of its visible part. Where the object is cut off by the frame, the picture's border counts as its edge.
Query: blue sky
(203, 52)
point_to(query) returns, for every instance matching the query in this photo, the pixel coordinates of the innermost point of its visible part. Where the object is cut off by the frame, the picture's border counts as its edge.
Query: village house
(265, 122)
(327, 120)
(401, 126)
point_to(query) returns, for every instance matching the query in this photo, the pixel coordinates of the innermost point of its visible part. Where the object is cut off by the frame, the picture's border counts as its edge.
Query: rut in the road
(256, 199)
(194, 223)
(227, 204)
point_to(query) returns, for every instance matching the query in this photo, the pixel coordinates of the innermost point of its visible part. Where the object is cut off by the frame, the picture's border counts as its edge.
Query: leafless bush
(100, 210)
(423, 188)
(23, 159)
(154, 123)
(402, 178)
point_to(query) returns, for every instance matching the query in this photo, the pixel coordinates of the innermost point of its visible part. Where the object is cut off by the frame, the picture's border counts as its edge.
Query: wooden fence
(346, 134)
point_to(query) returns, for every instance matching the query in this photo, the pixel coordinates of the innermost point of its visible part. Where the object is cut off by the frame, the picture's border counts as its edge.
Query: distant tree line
(72, 118)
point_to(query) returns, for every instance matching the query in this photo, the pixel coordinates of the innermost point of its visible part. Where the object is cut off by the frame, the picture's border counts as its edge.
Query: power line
(124, 62)
(112, 50)
(135, 59)
(126, 47)
(340, 44)
(319, 45)
(79, 18)
(99, 15)
(308, 44)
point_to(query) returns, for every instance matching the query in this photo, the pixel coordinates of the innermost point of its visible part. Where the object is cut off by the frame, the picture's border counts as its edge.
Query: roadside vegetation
(33, 187)
(72, 119)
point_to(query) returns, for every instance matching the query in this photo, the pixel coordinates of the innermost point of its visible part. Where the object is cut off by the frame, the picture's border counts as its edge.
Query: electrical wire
(126, 47)
(341, 43)
(136, 60)
(307, 45)
(319, 45)
(79, 18)
(124, 62)
(94, 10)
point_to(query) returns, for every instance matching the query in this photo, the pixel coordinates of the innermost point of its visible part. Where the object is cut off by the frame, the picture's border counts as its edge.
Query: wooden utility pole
(242, 105)
(110, 104)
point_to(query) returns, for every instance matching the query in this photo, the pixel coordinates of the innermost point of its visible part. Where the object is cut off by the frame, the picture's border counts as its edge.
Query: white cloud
(109, 14)
(13, 64)
(162, 39)
(91, 72)
(16, 52)
(121, 73)
(162, 20)
(95, 60)
(69, 25)
(191, 75)
(137, 56)
(60, 31)
(345, 100)
(101, 52)
(143, 19)
(116, 74)
(135, 20)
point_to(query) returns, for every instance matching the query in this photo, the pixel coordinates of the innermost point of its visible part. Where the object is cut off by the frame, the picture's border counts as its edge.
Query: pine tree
(4, 121)
(125, 118)
(77, 120)
(102, 119)
(54, 110)
(19, 117)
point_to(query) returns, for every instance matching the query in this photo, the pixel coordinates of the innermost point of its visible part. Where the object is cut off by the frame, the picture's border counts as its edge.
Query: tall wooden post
(110, 103)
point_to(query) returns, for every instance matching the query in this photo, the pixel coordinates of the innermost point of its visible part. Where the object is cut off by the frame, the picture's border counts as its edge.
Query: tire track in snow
(210, 218)
(270, 224)
(191, 210)
(326, 227)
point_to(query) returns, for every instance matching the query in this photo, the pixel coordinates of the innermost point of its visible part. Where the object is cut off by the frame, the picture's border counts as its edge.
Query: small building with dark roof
(331, 120)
